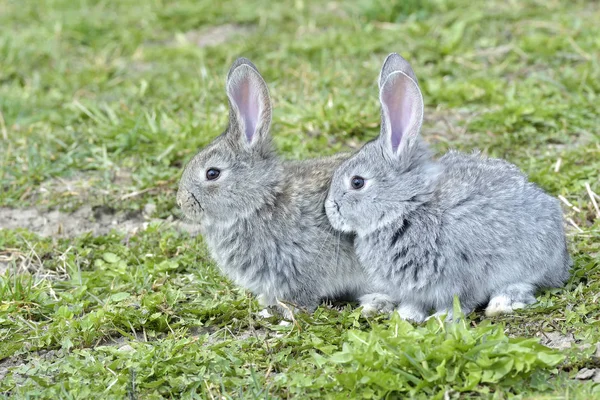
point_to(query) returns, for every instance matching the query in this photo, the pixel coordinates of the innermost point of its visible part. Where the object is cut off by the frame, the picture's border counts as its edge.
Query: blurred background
(103, 102)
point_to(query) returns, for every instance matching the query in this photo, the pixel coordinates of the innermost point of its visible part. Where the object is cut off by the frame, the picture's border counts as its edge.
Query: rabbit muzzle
(189, 204)
(332, 209)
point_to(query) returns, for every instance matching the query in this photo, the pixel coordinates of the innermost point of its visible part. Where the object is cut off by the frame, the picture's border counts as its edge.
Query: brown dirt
(556, 340)
(98, 220)
(215, 35)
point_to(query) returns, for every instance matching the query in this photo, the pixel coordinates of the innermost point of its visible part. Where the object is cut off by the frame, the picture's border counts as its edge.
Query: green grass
(120, 95)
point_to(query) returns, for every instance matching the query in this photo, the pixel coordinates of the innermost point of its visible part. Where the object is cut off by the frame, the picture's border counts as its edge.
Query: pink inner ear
(399, 98)
(245, 95)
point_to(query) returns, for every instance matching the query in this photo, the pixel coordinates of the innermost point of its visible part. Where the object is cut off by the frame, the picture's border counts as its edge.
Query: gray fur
(394, 63)
(463, 225)
(263, 219)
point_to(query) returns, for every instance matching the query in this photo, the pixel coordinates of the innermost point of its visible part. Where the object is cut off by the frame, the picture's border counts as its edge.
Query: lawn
(106, 293)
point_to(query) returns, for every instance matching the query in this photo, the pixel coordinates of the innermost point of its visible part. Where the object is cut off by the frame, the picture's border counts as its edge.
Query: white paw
(264, 313)
(500, 305)
(369, 310)
(263, 301)
(376, 303)
(410, 313)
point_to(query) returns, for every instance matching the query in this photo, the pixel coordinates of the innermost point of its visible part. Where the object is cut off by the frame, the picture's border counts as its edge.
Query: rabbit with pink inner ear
(428, 230)
(263, 218)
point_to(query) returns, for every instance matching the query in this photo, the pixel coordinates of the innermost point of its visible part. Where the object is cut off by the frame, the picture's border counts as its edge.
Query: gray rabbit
(263, 218)
(463, 225)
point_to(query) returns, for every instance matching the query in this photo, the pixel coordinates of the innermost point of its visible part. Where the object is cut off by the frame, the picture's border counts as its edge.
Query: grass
(121, 95)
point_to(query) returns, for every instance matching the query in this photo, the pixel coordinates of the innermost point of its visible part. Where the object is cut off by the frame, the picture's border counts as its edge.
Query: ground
(104, 292)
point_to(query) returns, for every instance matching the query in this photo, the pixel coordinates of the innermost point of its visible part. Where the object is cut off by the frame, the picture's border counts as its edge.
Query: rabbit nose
(337, 206)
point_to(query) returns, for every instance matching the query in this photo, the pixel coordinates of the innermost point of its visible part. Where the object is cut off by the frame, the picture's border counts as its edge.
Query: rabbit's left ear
(250, 103)
(401, 105)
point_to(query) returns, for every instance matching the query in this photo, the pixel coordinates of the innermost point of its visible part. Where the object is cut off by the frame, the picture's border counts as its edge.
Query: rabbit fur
(263, 218)
(428, 230)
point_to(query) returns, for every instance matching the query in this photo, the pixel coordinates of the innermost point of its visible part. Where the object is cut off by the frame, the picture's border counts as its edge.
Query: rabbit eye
(212, 174)
(357, 182)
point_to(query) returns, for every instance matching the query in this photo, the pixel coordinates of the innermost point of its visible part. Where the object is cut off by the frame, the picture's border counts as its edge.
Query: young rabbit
(463, 225)
(263, 218)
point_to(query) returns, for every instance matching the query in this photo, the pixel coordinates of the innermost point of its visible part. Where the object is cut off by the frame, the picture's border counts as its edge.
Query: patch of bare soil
(22, 359)
(95, 220)
(98, 220)
(216, 35)
(8, 363)
(556, 340)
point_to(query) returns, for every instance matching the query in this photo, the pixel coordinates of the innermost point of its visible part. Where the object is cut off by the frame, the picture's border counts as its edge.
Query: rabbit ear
(401, 109)
(394, 63)
(250, 102)
(237, 63)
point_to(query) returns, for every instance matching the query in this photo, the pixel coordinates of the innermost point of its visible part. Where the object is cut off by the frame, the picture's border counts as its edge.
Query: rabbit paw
(287, 312)
(503, 304)
(272, 306)
(376, 303)
(411, 313)
(264, 301)
(265, 313)
(510, 298)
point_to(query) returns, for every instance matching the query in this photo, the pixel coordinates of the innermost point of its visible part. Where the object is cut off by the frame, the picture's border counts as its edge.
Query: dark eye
(357, 182)
(212, 174)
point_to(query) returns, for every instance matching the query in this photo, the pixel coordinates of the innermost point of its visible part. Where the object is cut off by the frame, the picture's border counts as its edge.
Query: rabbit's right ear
(250, 103)
(401, 105)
